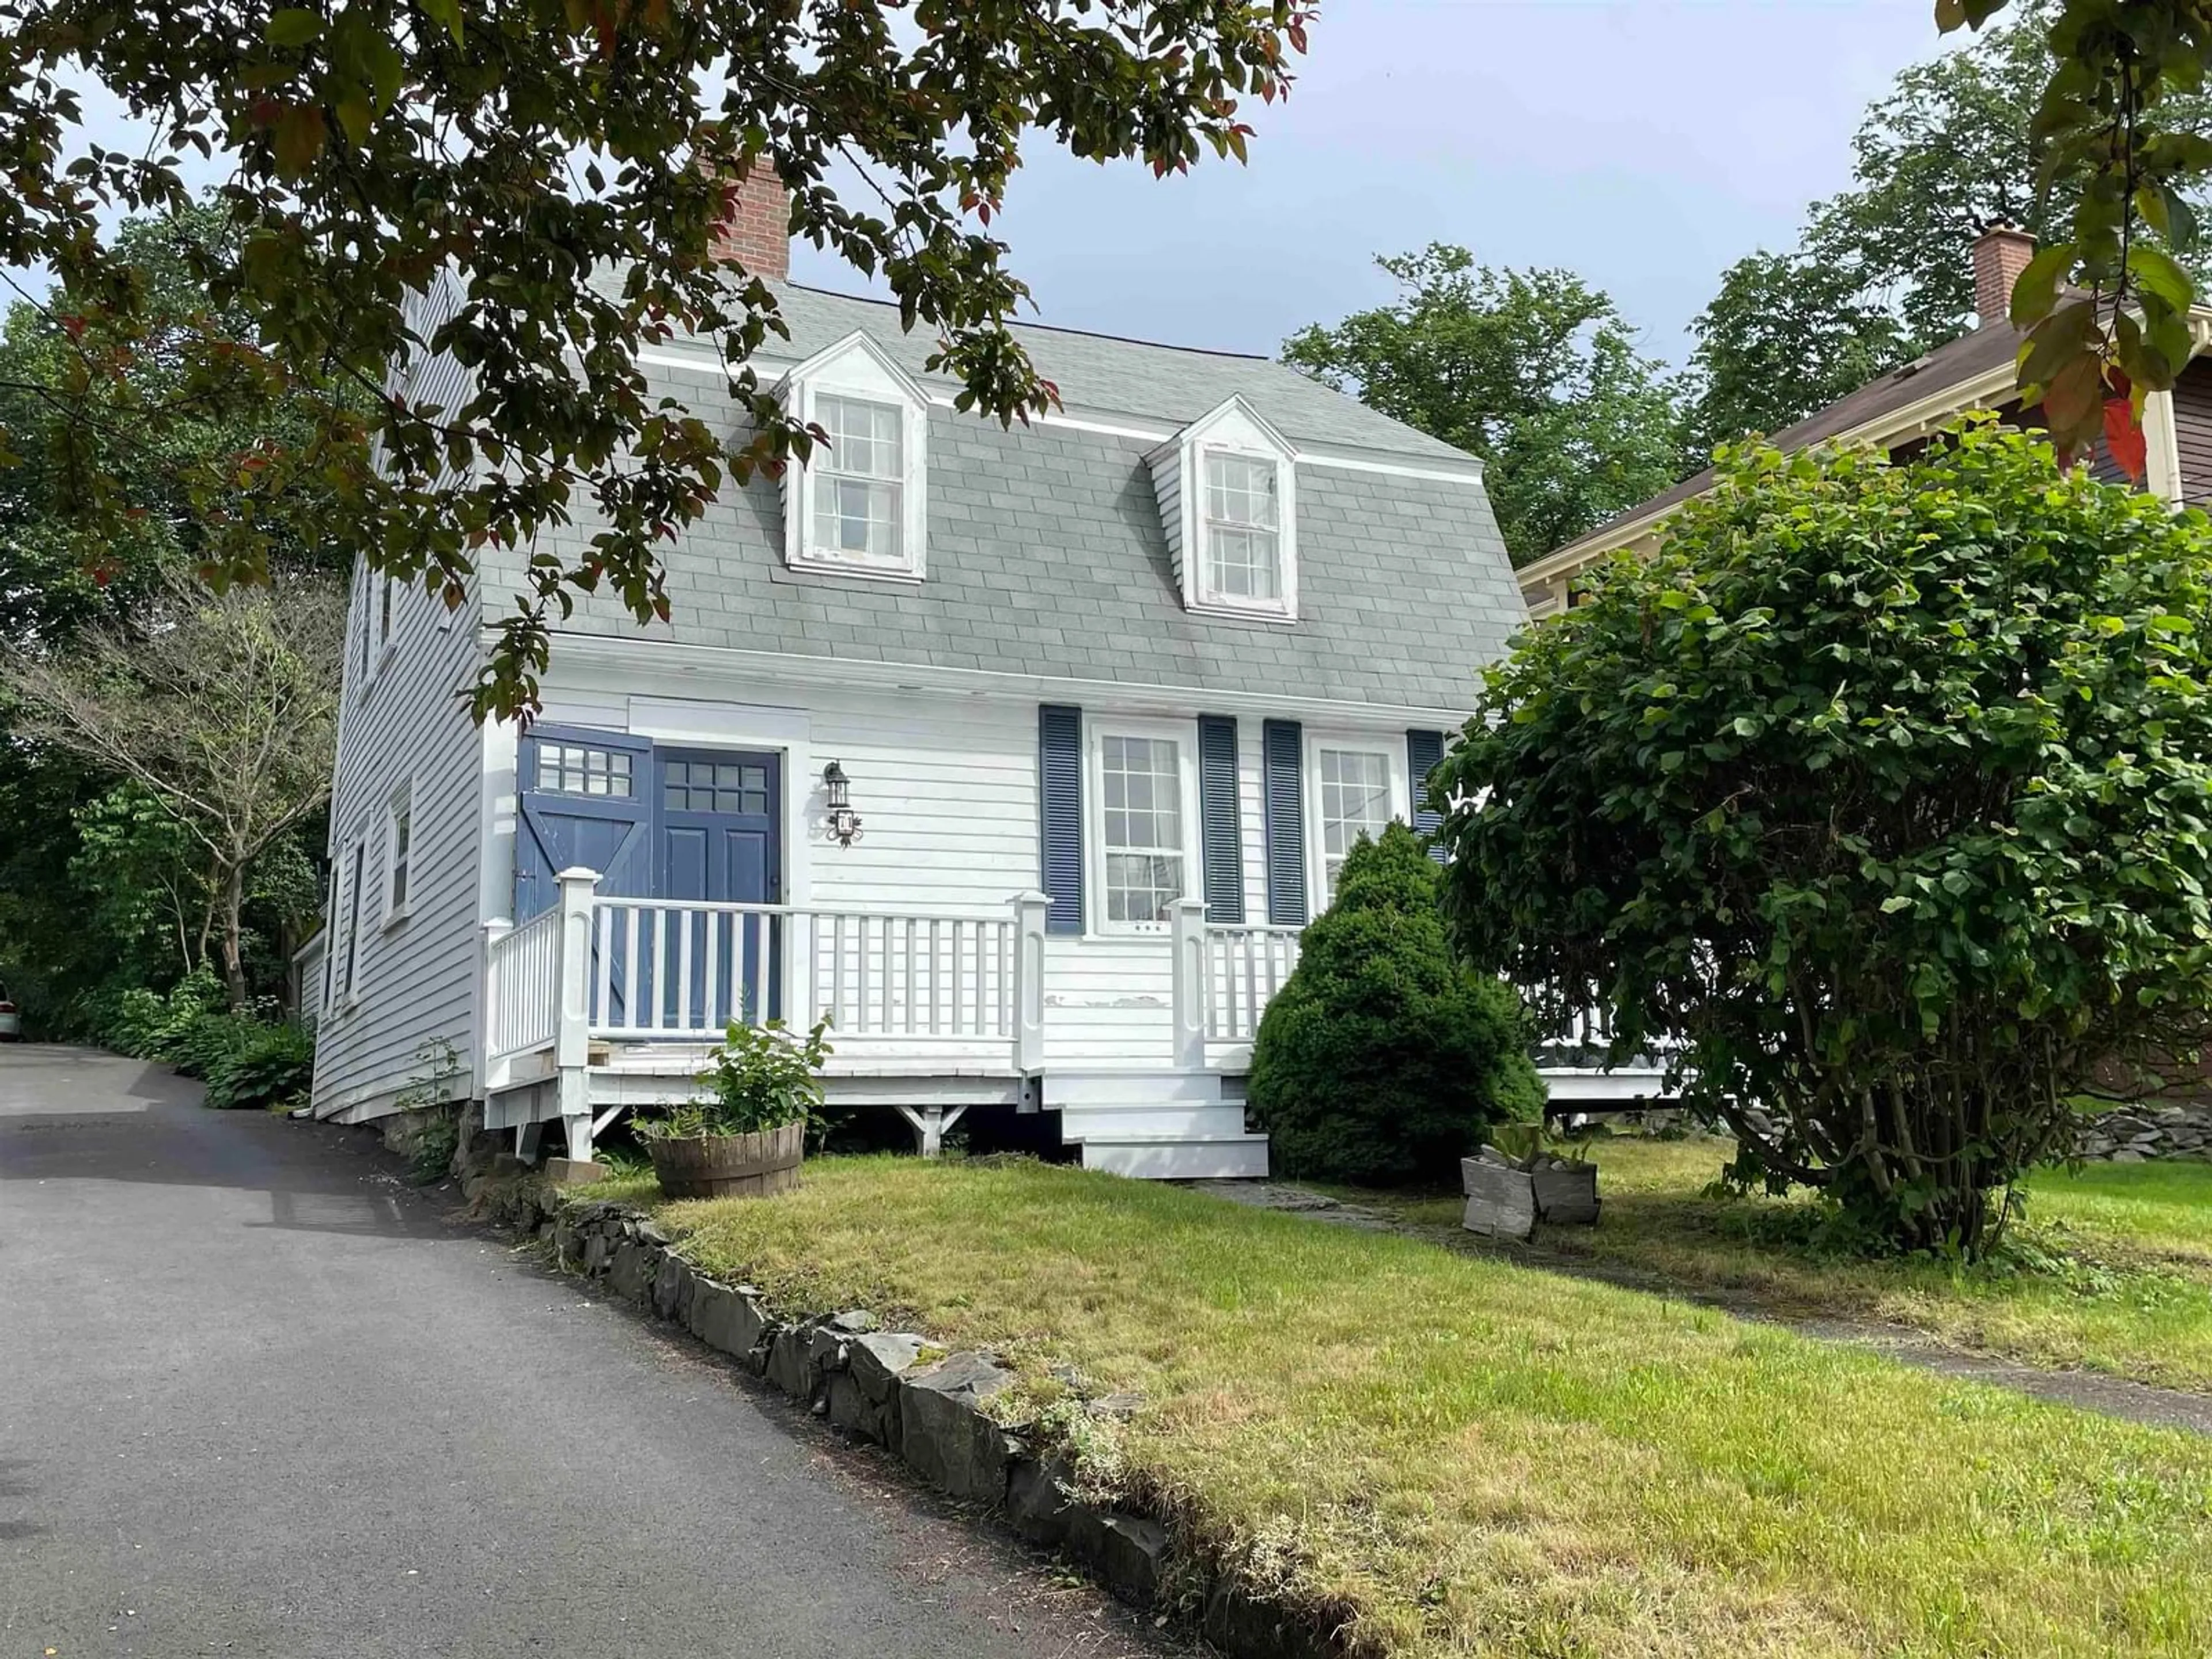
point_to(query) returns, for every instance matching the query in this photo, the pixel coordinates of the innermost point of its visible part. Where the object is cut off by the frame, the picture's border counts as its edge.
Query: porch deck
(602, 1004)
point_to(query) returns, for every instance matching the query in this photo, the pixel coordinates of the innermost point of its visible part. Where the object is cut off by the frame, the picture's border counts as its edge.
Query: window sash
(1353, 791)
(859, 483)
(1144, 855)
(353, 920)
(1242, 526)
(400, 832)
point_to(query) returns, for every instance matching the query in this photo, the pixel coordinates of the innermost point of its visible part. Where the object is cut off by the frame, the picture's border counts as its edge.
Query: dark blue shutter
(1060, 813)
(1220, 828)
(1424, 752)
(1280, 742)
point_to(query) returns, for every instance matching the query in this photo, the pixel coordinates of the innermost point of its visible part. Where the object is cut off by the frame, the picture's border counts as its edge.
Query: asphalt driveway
(259, 1397)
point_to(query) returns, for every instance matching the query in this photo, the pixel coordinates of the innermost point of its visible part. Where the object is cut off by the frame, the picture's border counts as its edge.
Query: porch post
(494, 931)
(1189, 934)
(1029, 982)
(573, 1028)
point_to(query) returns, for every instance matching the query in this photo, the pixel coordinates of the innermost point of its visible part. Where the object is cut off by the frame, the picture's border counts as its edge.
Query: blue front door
(721, 841)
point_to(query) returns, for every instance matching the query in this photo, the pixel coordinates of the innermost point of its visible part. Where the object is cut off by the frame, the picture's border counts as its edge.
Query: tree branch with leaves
(221, 706)
(559, 167)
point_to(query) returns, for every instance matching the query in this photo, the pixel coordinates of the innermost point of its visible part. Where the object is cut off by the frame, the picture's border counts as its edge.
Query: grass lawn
(2122, 1279)
(1477, 1457)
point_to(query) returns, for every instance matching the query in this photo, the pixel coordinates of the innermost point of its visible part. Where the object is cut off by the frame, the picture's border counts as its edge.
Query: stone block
(729, 1320)
(1125, 1550)
(597, 1250)
(1236, 1623)
(573, 1171)
(1565, 1195)
(634, 1266)
(1501, 1202)
(787, 1362)
(671, 1286)
(945, 1435)
(1037, 1503)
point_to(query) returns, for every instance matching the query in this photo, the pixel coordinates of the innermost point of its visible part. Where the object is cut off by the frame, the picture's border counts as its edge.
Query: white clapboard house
(1023, 753)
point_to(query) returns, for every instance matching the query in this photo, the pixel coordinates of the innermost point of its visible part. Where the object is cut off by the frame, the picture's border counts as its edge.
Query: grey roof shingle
(1135, 377)
(1046, 554)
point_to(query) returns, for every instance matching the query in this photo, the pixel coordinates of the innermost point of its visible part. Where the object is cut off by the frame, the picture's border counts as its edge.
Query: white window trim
(395, 914)
(1184, 735)
(1367, 743)
(357, 863)
(1202, 597)
(855, 368)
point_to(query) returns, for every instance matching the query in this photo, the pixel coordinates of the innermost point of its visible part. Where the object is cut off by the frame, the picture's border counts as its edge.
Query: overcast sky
(1646, 144)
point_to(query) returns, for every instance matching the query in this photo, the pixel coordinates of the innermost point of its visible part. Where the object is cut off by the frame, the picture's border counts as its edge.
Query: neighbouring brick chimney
(756, 232)
(2001, 253)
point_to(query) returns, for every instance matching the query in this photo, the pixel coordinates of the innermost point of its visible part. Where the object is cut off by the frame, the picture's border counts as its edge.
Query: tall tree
(1883, 272)
(1534, 370)
(555, 170)
(223, 707)
(1785, 335)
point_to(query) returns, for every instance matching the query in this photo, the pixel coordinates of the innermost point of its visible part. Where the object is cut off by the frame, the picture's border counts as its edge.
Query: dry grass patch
(2113, 1272)
(1482, 1458)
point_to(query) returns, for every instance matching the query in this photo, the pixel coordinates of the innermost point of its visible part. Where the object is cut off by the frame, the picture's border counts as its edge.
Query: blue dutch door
(721, 841)
(584, 798)
(678, 825)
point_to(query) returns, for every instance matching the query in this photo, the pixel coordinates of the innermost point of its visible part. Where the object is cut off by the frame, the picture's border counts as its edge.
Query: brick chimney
(2001, 253)
(756, 233)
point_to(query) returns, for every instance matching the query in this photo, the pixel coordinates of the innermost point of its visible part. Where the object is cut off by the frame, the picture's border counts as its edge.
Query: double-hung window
(859, 481)
(1353, 794)
(398, 853)
(350, 964)
(1145, 820)
(1241, 530)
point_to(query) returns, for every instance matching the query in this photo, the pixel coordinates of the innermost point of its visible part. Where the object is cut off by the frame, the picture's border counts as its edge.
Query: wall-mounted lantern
(843, 822)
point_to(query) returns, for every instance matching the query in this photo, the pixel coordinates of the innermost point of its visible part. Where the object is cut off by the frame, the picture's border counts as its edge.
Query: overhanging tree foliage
(1888, 791)
(1534, 370)
(526, 149)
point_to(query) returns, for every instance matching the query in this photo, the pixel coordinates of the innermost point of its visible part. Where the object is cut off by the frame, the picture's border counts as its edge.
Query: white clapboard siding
(405, 719)
(1108, 1001)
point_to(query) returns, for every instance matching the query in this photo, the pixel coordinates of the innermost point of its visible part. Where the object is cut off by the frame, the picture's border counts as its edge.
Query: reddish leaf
(2124, 436)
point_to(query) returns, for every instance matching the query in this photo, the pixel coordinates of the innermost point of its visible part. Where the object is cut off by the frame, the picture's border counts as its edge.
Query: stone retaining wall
(927, 1406)
(2134, 1133)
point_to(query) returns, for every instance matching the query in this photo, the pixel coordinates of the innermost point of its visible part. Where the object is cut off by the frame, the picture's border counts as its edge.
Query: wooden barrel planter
(757, 1165)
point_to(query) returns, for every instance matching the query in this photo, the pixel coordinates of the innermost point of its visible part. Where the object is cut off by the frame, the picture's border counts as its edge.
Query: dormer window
(1227, 489)
(1243, 559)
(856, 506)
(856, 498)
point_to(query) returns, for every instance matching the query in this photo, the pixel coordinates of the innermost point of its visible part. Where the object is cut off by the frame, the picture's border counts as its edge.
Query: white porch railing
(522, 986)
(672, 970)
(1244, 969)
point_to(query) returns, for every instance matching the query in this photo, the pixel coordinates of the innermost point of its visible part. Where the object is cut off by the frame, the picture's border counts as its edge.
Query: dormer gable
(1227, 488)
(859, 505)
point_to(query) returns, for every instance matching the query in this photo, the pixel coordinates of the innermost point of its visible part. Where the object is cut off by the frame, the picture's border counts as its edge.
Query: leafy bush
(148, 1025)
(264, 1067)
(1882, 790)
(1381, 1060)
(759, 1077)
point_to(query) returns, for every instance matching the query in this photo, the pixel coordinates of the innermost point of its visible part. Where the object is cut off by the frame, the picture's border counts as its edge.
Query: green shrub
(1381, 1060)
(150, 1025)
(264, 1066)
(760, 1077)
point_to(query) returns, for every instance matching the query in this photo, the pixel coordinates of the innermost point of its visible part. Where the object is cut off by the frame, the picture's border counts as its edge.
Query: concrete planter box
(1505, 1202)
(755, 1166)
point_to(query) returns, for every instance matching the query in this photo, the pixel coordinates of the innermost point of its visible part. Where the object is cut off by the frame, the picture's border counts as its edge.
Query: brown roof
(1967, 358)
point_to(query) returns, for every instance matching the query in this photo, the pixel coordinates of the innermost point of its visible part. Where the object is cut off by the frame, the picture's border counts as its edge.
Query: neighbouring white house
(1023, 754)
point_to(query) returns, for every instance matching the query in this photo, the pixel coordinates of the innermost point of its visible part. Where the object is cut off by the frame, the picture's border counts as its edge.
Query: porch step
(1150, 1122)
(1064, 1087)
(1209, 1157)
